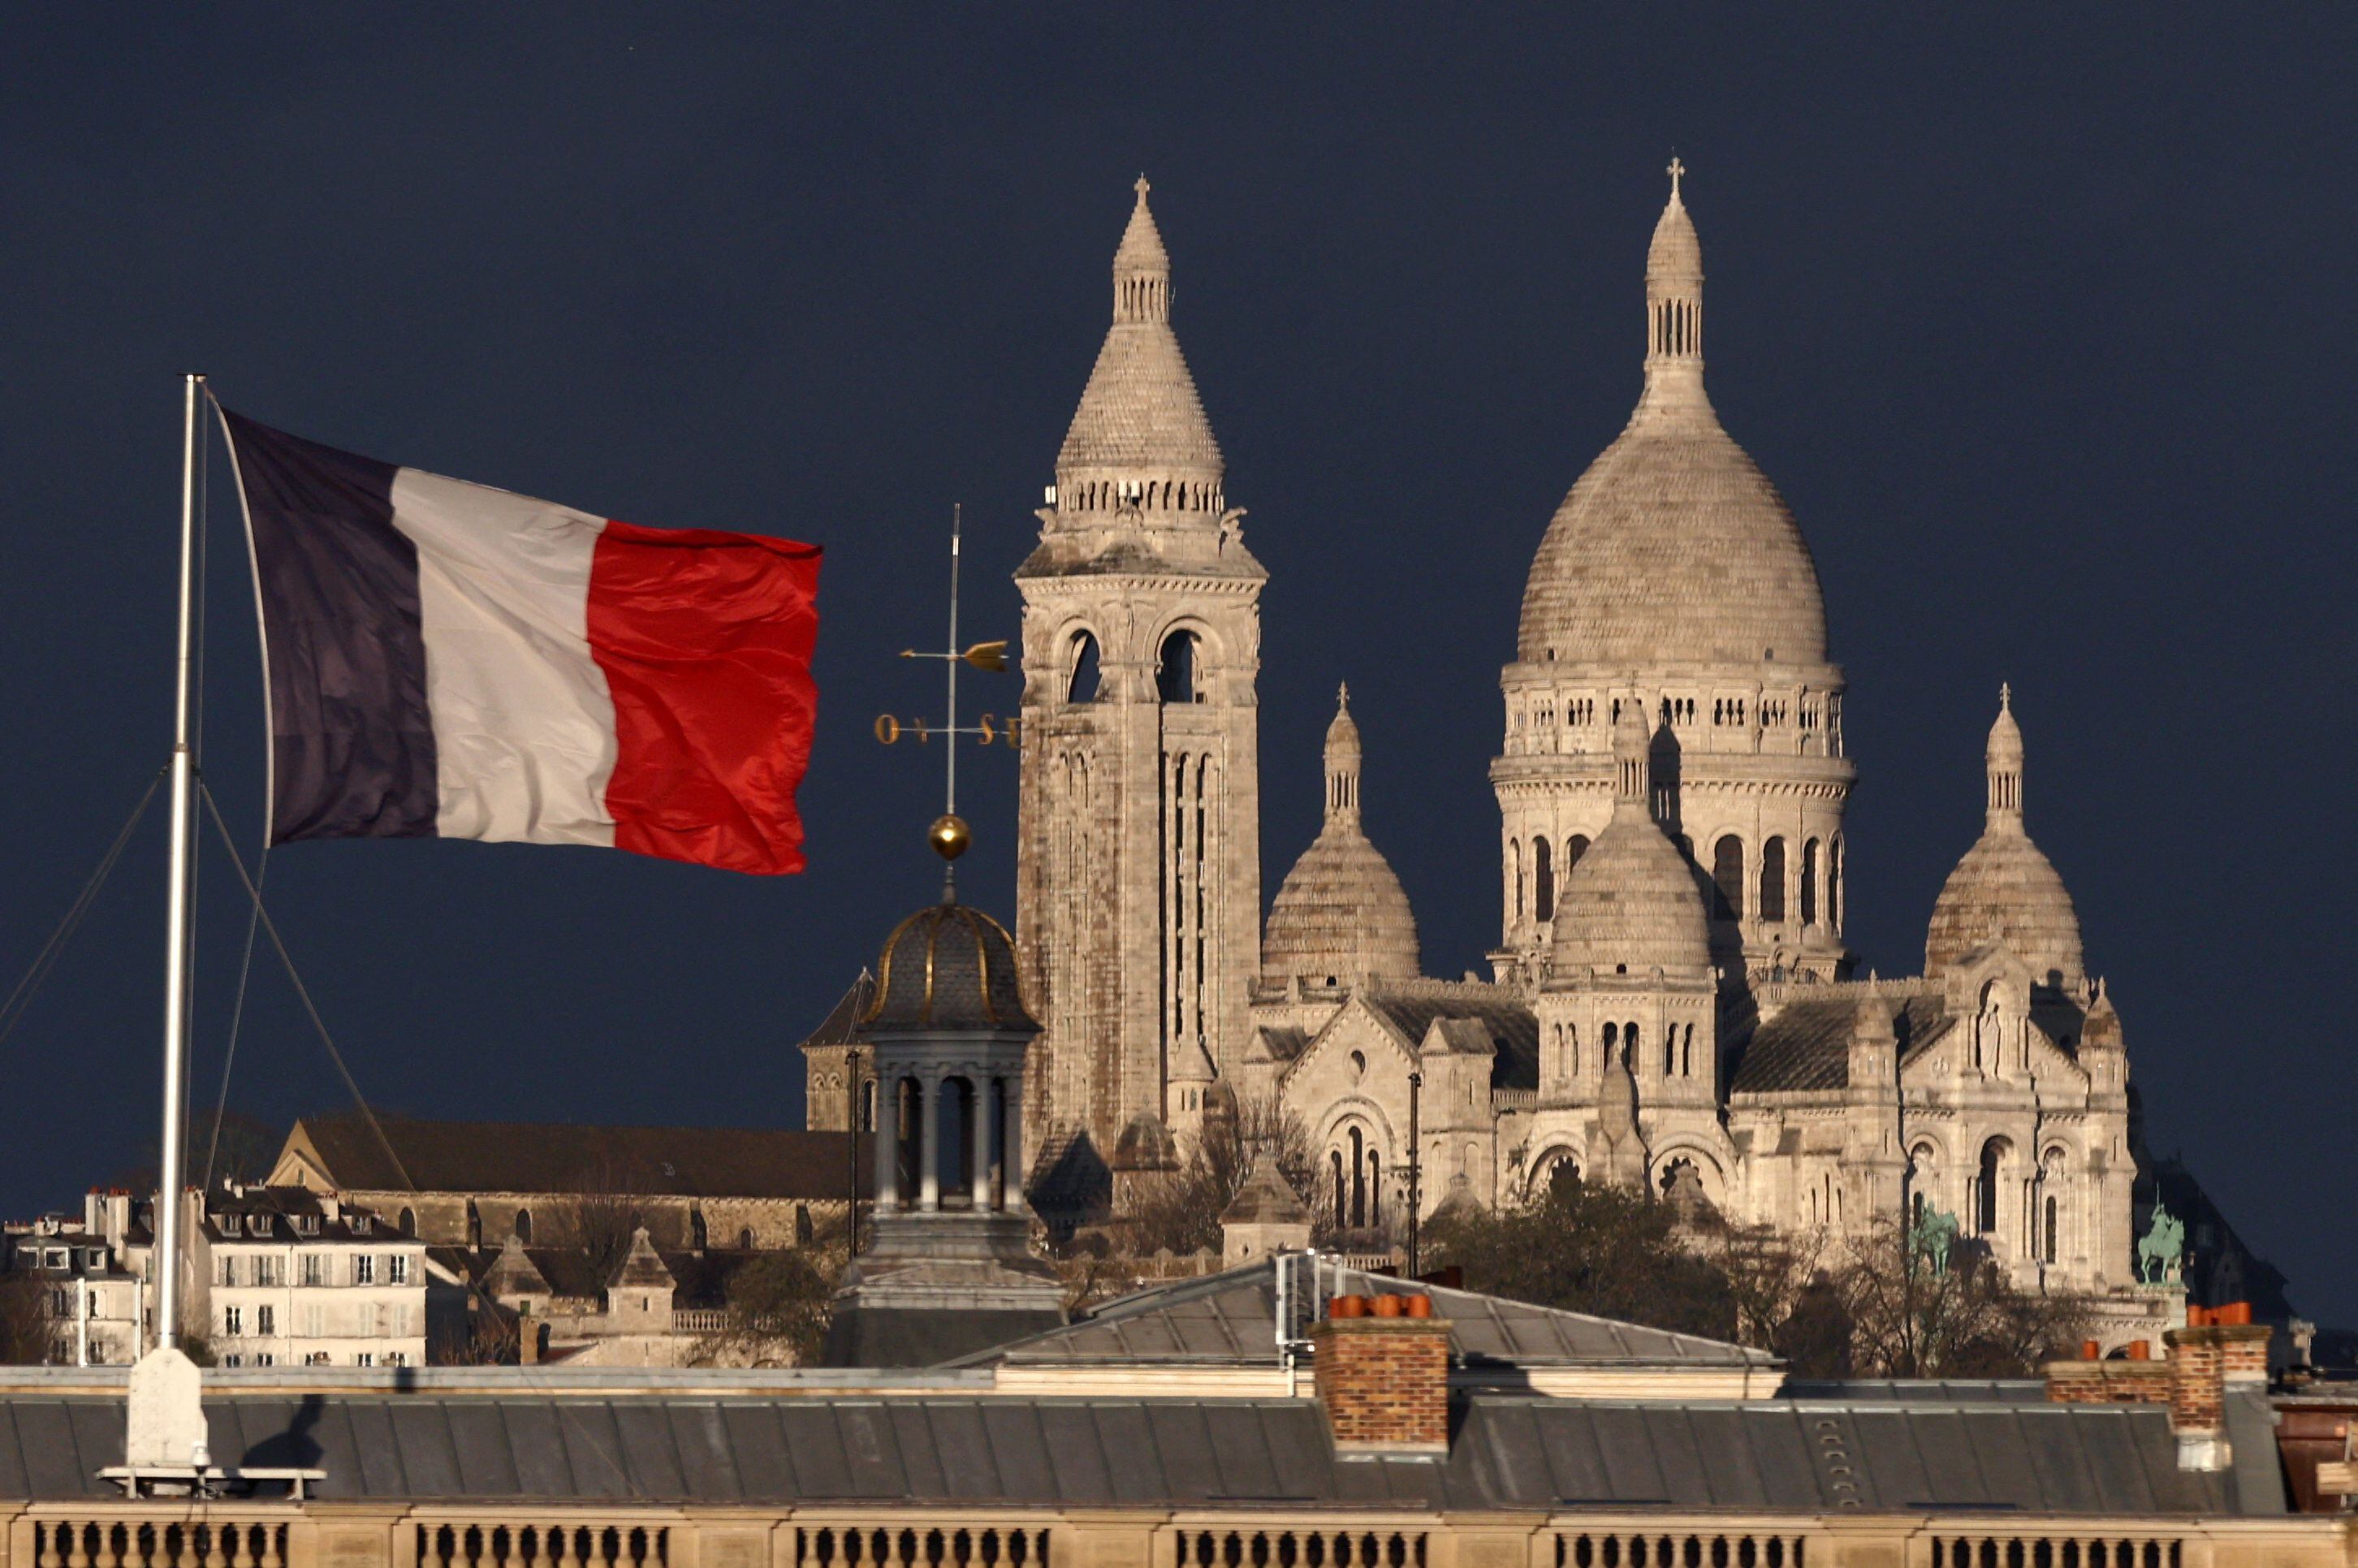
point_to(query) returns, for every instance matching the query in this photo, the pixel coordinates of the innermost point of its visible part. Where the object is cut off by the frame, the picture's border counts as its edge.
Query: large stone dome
(1341, 913)
(948, 967)
(1673, 548)
(2005, 892)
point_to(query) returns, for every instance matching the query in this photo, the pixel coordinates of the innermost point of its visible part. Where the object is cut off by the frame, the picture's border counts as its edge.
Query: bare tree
(491, 1336)
(1588, 1248)
(1180, 1211)
(605, 1208)
(780, 1303)
(1910, 1318)
(23, 1321)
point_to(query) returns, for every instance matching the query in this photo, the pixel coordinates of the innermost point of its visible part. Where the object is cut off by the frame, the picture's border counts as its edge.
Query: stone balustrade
(898, 1534)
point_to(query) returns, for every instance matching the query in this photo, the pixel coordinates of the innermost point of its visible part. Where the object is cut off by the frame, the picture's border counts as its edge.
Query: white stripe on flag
(522, 721)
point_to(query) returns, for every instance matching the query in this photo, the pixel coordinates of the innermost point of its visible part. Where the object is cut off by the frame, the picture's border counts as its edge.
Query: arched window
(1670, 1052)
(1727, 877)
(1810, 883)
(474, 1226)
(1612, 1037)
(523, 1226)
(1542, 880)
(1514, 849)
(1833, 883)
(745, 1238)
(1985, 1190)
(697, 1235)
(1374, 1188)
(1629, 1057)
(1334, 1159)
(1572, 1050)
(1686, 1052)
(1083, 687)
(1573, 849)
(1175, 675)
(409, 1222)
(1358, 1180)
(2047, 1252)
(1772, 880)
(804, 1231)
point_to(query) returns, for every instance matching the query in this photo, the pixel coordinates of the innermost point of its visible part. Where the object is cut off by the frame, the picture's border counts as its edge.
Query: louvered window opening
(903, 1546)
(83, 1543)
(1301, 1549)
(543, 1546)
(1614, 1549)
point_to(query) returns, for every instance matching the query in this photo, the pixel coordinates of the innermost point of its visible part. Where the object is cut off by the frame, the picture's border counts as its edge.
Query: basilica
(1671, 1003)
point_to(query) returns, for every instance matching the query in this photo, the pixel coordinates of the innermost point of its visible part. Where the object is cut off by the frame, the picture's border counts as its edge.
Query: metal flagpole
(176, 906)
(949, 742)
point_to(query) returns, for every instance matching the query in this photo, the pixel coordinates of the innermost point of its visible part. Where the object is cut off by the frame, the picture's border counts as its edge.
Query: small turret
(1674, 303)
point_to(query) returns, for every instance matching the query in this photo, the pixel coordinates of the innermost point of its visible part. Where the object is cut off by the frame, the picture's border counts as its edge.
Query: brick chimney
(1383, 1376)
(2205, 1362)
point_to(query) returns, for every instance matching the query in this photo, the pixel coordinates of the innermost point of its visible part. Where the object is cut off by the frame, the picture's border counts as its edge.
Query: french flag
(447, 660)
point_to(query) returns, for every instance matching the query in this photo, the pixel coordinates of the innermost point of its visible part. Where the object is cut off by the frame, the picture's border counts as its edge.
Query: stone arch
(1993, 1167)
(1771, 904)
(1810, 858)
(1727, 877)
(1543, 879)
(1700, 1155)
(1084, 678)
(1558, 1157)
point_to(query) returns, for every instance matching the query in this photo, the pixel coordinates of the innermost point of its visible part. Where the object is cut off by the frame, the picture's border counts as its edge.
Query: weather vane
(949, 834)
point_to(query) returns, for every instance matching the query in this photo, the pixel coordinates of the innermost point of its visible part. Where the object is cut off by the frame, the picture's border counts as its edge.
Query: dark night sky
(2043, 324)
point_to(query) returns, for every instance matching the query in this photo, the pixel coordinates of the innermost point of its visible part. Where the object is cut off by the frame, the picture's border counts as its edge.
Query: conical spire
(1343, 763)
(1141, 268)
(1674, 303)
(1138, 442)
(2003, 760)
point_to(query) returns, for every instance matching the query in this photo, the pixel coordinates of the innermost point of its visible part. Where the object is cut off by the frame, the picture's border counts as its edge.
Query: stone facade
(1137, 892)
(1671, 1002)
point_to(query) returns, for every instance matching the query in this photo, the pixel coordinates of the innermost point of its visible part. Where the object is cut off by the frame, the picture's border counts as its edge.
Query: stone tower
(1137, 890)
(1674, 579)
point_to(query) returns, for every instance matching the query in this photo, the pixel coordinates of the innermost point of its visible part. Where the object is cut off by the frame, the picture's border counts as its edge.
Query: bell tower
(1138, 881)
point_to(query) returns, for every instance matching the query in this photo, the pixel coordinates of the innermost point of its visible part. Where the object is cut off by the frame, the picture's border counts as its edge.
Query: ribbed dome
(1341, 912)
(1140, 411)
(2006, 892)
(948, 967)
(1631, 904)
(1673, 548)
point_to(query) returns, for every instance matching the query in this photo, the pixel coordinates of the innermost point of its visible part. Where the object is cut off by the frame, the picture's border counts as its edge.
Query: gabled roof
(841, 1025)
(1806, 1046)
(557, 1157)
(1513, 1028)
(1230, 1318)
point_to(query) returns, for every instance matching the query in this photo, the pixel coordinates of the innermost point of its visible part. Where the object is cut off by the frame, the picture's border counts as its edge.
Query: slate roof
(841, 1024)
(1514, 1029)
(1230, 1318)
(1510, 1452)
(557, 1157)
(1806, 1046)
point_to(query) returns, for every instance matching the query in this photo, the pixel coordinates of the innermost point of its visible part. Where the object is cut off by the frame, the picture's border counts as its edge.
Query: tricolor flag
(447, 660)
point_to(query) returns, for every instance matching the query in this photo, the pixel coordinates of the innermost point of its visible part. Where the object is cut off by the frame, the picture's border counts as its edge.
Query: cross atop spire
(2005, 696)
(1342, 694)
(1141, 188)
(1678, 169)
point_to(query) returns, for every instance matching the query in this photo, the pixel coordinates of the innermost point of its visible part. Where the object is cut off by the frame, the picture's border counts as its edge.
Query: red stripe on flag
(706, 642)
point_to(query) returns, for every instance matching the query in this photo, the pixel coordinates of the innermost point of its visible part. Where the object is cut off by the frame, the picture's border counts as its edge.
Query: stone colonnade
(995, 1164)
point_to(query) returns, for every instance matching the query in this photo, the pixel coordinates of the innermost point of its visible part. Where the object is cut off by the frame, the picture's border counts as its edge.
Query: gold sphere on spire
(949, 835)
